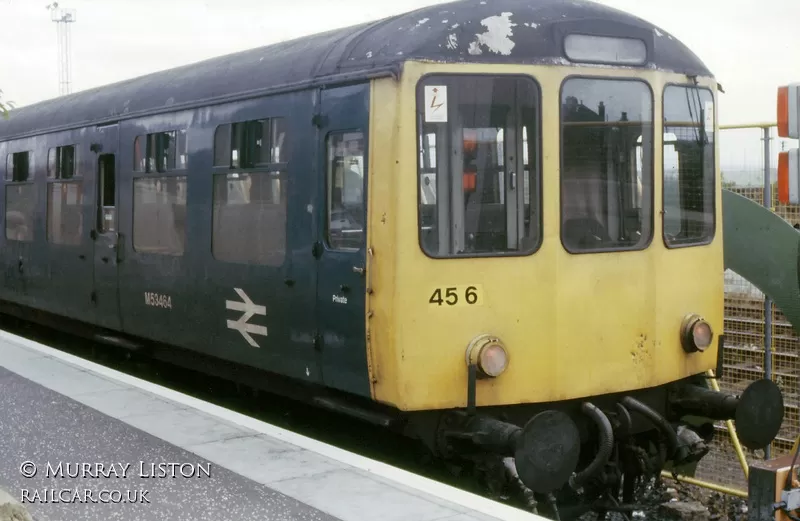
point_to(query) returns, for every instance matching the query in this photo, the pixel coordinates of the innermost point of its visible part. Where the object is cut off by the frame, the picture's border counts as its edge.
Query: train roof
(476, 31)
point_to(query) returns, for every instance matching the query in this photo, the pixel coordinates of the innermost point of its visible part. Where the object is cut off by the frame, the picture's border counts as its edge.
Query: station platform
(81, 441)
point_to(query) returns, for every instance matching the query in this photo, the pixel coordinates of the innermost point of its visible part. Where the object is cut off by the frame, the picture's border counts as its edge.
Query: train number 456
(457, 296)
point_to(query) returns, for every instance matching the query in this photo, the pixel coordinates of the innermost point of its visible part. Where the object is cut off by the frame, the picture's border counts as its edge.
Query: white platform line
(403, 477)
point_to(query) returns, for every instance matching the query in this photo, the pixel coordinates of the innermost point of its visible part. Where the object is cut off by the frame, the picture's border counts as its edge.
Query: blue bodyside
(307, 336)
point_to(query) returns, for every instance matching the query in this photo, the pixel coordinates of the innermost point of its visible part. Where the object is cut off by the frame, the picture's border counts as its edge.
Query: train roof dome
(479, 31)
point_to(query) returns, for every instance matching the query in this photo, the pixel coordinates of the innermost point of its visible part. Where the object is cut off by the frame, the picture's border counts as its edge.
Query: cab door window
(345, 190)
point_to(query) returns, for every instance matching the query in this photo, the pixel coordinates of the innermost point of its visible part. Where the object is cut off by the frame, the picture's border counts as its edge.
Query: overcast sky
(752, 46)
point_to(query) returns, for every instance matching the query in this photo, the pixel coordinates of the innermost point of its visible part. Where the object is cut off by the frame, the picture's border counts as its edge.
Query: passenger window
(18, 167)
(689, 166)
(62, 163)
(249, 144)
(159, 214)
(606, 165)
(64, 215)
(345, 180)
(478, 166)
(64, 198)
(222, 146)
(161, 152)
(249, 205)
(21, 198)
(249, 218)
(140, 154)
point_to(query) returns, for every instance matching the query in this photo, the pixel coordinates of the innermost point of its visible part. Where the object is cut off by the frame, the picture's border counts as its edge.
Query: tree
(5, 106)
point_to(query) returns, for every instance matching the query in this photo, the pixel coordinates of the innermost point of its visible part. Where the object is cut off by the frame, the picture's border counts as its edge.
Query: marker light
(696, 334)
(789, 111)
(488, 355)
(783, 111)
(789, 177)
(789, 126)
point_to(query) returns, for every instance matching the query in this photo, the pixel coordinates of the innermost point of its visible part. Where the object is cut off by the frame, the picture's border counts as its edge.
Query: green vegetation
(5, 106)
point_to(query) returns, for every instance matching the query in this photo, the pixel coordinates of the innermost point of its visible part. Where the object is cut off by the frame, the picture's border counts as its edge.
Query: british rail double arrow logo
(249, 309)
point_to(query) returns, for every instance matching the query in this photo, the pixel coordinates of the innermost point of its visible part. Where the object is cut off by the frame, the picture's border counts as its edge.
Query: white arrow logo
(249, 309)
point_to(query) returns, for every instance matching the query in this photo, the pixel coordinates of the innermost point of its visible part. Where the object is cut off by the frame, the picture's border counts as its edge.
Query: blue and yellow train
(495, 226)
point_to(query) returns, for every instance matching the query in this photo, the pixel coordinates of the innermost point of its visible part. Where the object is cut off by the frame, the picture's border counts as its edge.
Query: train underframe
(563, 459)
(602, 453)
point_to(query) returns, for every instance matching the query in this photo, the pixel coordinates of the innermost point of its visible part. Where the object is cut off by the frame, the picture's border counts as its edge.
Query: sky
(752, 46)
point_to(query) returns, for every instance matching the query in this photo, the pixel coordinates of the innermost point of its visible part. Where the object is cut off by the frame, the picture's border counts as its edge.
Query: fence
(759, 341)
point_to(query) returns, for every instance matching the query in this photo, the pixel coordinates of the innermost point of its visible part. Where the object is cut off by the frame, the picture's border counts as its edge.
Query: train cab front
(558, 286)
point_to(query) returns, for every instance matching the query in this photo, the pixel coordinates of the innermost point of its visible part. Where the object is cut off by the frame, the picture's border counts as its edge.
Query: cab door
(105, 235)
(341, 246)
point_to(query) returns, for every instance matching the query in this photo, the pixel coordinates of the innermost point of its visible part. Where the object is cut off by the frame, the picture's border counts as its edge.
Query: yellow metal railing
(739, 453)
(748, 125)
(759, 343)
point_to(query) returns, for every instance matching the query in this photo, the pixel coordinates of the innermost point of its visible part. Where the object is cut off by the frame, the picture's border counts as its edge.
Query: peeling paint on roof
(423, 21)
(559, 61)
(452, 41)
(497, 37)
(312, 60)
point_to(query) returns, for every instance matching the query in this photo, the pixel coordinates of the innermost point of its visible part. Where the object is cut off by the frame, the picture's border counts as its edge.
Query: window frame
(536, 167)
(10, 182)
(714, 205)
(30, 174)
(181, 174)
(77, 181)
(55, 173)
(645, 245)
(281, 168)
(246, 129)
(154, 136)
(329, 191)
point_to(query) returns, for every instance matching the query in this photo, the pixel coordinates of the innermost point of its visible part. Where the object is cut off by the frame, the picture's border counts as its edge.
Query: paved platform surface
(63, 416)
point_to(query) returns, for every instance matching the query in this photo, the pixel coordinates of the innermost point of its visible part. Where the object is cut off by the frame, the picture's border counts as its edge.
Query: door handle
(358, 270)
